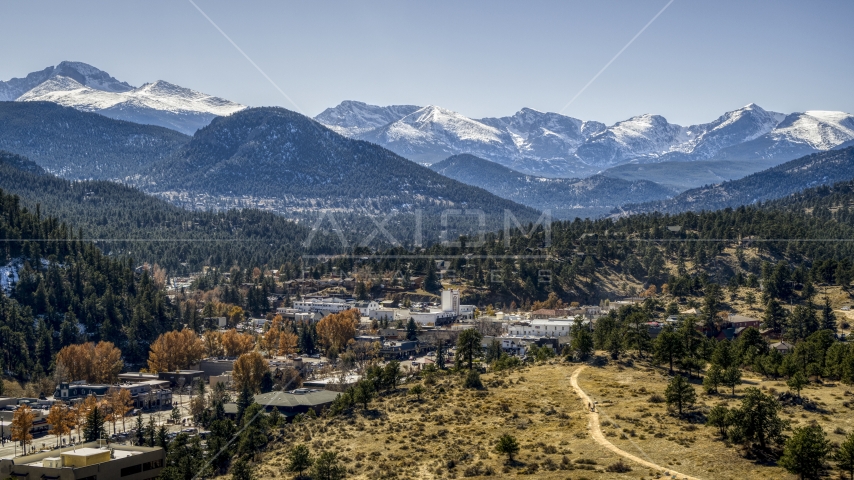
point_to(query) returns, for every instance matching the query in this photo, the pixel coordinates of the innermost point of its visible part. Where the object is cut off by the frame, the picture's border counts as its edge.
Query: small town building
(88, 461)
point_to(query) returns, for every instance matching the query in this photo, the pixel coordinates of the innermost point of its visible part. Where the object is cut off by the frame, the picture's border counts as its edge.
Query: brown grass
(452, 433)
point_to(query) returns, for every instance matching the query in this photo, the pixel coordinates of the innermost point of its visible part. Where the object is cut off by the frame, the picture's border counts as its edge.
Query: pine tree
(805, 452)
(680, 393)
(299, 460)
(507, 445)
(243, 401)
(845, 455)
(94, 428)
(828, 318)
(140, 430)
(411, 330)
(440, 354)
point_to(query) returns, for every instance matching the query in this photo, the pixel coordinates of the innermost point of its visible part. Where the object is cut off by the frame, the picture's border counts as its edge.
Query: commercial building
(323, 305)
(88, 461)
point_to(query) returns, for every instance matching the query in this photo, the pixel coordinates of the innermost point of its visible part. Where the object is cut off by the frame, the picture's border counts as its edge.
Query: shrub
(472, 380)
(618, 467)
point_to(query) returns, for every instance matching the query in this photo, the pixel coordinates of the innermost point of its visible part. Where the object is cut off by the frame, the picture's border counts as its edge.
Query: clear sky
(480, 58)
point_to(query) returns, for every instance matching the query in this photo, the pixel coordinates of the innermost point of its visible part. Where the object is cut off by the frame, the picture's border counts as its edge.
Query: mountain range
(293, 161)
(84, 87)
(564, 198)
(204, 152)
(554, 145)
(813, 170)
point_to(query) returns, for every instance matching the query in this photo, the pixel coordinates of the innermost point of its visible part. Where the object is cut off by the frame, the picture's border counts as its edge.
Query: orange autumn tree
(278, 339)
(248, 371)
(22, 423)
(61, 420)
(175, 350)
(213, 343)
(235, 344)
(94, 363)
(337, 329)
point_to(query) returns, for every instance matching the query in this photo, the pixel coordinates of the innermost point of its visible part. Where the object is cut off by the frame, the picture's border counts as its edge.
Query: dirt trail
(596, 432)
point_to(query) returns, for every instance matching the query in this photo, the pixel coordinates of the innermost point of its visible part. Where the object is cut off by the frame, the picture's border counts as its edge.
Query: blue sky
(481, 58)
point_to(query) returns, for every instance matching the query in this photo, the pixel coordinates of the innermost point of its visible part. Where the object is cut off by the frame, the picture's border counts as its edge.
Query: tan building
(88, 461)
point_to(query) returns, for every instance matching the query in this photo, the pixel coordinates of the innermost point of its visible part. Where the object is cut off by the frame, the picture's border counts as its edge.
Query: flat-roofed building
(88, 461)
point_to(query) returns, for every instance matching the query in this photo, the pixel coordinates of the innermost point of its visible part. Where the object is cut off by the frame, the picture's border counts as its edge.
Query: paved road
(9, 450)
(596, 432)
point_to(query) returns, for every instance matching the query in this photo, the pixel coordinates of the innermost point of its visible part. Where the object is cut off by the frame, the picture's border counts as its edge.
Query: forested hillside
(68, 291)
(132, 223)
(278, 155)
(566, 198)
(80, 145)
(806, 235)
(817, 169)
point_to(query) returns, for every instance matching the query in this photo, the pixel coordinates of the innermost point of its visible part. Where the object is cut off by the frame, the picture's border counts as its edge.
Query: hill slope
(810, 171)
(564, 197)
(154, 231)
(80, 145)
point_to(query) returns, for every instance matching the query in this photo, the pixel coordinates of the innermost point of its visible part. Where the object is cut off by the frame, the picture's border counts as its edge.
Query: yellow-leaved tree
(336, 330)
(248, 371)
(235, 343)
(94, 363)
(175, 350)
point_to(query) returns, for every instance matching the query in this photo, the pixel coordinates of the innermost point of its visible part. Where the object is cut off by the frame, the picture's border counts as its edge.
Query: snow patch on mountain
(821, 130)
(738, 126)
(352, 118)
(159, 95)
(84, 87)
(80, 72)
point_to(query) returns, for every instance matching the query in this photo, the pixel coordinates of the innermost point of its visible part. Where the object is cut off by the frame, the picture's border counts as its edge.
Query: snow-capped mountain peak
(84, 87)
(90, 76)
(550, 144)
(351, 118)
(820, 129)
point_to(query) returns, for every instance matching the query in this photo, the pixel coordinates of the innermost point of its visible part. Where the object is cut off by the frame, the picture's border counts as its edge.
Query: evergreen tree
(775, 316)
(680, 393)
(327, 467)
(468, 348)
(757, 420)
(507, 445)
(719, 416)
(440, 354)
(845, 456)
(140, 430)
(828, 318)
(299, 460)
(667, 347)
(411, 330)
(805, 452)
(244, 400)
(241, 470)
(581, 343)
(94, 428)
(493, 352)
(732, 378)
(797, 382)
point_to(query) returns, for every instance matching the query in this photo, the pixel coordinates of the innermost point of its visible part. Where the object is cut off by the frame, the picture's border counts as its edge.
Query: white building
(366, 307)
(451, 301)
(543, 328)
(323, 305)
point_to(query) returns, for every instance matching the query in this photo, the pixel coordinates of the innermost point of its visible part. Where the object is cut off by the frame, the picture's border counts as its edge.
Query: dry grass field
(451, 432)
